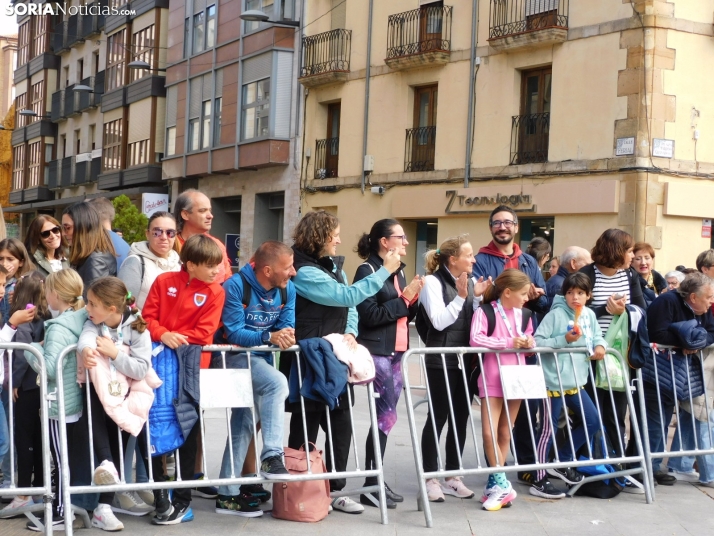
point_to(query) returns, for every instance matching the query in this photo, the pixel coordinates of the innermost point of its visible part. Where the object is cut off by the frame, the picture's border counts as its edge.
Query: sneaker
(347, 505)
(57, 524)
(456, 488)
(147, 496)
(106, 474)
(206, 492)
(239, 505)
(105, 519)
(709, 484)
(544, 488)
(433, 490)
(16, 504)
(665, 479)
(567, 475)
(162, 502)
(633, 486)
(526, 476)
(182, 513)
(129, 502)
(257, 491)
(372, 499)
(499, 497)
(391, 495)
(691, 476)
(273, 468)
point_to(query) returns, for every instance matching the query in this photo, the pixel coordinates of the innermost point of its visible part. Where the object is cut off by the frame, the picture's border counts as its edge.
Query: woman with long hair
(384, 330)
(44, 241)
(92, 253)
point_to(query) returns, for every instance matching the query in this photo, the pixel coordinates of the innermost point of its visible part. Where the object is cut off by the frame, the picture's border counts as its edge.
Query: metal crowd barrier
(69, 490)
(479, 466)
(694, 435)
(45, 492)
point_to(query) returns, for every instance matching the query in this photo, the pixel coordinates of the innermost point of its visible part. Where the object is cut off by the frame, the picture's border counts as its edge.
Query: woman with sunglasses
(147, 260)
(45, 243)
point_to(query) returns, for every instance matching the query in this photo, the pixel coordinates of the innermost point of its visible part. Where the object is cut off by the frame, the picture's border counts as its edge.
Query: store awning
(65, 201)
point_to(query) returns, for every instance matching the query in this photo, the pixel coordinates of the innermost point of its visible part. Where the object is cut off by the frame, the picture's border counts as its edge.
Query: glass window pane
(249, 124)
(198, 26)
(249, 91)
(171, 141)
(264, 89)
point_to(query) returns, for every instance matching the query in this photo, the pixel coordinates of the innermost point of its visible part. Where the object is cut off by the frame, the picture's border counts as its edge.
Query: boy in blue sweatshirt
(261, 313)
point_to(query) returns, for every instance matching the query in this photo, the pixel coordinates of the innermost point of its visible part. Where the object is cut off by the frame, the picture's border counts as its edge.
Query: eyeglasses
(508, 224)
(54, 230)
(403, 237)
(157, 232)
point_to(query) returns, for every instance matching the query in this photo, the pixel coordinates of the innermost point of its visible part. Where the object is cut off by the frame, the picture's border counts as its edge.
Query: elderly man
(681, 319)
(193, 214)
(572, 259)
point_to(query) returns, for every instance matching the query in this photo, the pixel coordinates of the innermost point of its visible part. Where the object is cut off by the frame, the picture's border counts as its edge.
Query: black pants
(78, 455)
(187, 462)
(613, 418)
(369, 448)
(341, 438)
(522, 431)
(28, 439)
(440, 402)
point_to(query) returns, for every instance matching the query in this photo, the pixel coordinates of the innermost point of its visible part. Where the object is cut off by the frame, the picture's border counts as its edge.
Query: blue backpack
(600, 489)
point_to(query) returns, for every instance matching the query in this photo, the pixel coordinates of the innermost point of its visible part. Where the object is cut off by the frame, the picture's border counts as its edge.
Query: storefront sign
(150, 203)
(663, 148)
(460, 203)
(706, 228)
(625, 146)
(233, 248)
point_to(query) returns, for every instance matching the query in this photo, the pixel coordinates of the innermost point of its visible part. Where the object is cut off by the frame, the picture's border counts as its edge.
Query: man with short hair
(572, 259)
(259, 310)
(106, 212)
(192, 210)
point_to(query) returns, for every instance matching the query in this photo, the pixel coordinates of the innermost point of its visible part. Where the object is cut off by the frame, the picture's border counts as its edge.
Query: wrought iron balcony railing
(419, 149)
(427, 29)
(326, 52)
(529, 138)
(510, 17)
(327, 154)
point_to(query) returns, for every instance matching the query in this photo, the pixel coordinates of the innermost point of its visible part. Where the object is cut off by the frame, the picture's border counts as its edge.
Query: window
(95, 62)
(65, 72)
(217, 108)
(200, 112)
(171, 98)
(186, 36)
(20, 104)
(23, 44)
(170, 141)
(78, 141)
(34, 164)
(18, 167)
(112, 145)
(275, 9)
(421, 140)
(138, 153)
(40, 35)
(530, 131)
(116, 60)
(37, 93)
(256, 109)
(143, 47)
(204, 30)
(210, 26)
(206, 124)
(198, 32)
(92, 134)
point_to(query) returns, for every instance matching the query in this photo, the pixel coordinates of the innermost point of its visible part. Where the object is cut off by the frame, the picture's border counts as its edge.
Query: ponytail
(369, 243)
(139, 324)
(451, 247)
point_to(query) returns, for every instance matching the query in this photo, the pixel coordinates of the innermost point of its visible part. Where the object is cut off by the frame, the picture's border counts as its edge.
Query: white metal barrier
(69, 490)
(478, 466)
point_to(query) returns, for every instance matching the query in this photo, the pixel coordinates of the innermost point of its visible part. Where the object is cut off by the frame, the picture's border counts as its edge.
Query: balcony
(59, 38)
(419, 149)
(71, 99)
(517, 24)
(73, 171)
(87, 100)
(529, 138)
(57, 112)
(73, 28)
(326, 58)
(66, 168)
(327, 153)
(142, 175)
(91, 24)
(419, 37)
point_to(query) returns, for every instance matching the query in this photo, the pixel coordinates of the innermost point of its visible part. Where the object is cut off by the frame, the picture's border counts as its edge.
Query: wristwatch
(265, 337)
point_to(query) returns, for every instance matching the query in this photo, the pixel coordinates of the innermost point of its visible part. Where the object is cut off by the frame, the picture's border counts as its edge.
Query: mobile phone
(618, 296)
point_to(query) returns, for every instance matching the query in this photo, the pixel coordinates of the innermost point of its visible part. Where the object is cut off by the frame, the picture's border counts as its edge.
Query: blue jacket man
(259, 311)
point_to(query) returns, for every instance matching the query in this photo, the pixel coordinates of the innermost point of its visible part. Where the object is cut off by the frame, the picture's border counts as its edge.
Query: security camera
(378, 190)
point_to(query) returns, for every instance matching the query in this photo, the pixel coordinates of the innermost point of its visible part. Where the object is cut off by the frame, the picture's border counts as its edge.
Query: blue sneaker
(182, 514)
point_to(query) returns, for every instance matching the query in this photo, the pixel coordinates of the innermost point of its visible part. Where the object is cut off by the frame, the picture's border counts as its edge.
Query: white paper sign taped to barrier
(523, 381)
(226, 388)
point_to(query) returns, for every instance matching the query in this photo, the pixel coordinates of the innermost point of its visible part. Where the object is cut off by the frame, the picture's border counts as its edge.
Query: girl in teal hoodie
(565, 377)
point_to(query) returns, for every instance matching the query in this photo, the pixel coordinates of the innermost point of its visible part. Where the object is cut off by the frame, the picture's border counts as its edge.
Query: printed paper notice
(226, 388)
(523, 381)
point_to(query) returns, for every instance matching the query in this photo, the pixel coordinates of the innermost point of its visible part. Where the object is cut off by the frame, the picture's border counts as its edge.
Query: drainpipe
(640, 206)
(299, 147)
(472, 94)
(366, 91)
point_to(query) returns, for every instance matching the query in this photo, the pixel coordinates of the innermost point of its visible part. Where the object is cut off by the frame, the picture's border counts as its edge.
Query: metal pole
(472, 93)
(366, 92)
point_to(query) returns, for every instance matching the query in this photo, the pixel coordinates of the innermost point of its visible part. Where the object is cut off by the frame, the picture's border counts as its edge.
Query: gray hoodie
(142, 267)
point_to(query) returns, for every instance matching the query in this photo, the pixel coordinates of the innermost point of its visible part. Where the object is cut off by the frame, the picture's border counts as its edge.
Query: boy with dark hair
(184, 308)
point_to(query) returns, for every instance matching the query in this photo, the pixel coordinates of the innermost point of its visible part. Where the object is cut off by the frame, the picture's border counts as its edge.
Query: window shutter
(198, 6)
(257, 67)
(339, 14)
(219, 83)
(171, 105)
(207, 91)
(139, 121)
(194, 107)
(283, 93)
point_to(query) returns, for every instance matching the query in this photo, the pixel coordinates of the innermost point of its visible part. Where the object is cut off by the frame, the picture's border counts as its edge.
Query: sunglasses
(54, 230)
(157, 232)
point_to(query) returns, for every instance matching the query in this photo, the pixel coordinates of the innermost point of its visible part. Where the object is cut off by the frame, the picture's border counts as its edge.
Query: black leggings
(187, 463)
(28, 439)
(440, 403)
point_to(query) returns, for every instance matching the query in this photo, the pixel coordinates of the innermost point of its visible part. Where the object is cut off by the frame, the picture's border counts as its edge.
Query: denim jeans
(270, 389)
(657, 426)
(685, 464)
(4, 438)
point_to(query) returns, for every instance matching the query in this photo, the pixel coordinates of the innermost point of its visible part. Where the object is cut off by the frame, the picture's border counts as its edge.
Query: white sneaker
(16, 504)
(709, 484)
(347, 505)
(456, 488)
(433, 490)
(129, 502)
(147, 496)
(105, 519)
(499, 497)
(633, 486)
(106, 474)
(691, 476)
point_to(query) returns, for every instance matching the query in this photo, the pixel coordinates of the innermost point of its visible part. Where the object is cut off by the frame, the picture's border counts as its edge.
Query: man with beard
(259, 310)
(500, 254)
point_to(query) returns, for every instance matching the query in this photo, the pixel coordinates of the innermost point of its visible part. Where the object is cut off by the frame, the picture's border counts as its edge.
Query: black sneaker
(391, 495)
(57, 524)
(206, 492)
(526, 476)
(544, 488)
(272, 468)
(665, 479)
(567, 475)
(181, 513)
(163, 505)
(257, 491)
(372, 499)
(239, 505)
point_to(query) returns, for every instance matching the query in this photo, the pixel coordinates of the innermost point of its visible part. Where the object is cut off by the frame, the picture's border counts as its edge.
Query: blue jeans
(270, 389)
(685, 464)
(657, 426)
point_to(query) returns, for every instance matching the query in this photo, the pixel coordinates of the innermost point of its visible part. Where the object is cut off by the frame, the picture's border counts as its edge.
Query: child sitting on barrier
(506, 298)
(114, 336)
(569, 324)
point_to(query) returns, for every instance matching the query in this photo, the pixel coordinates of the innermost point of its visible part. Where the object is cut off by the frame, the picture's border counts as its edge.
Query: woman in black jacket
(384, 330)
(92, 253)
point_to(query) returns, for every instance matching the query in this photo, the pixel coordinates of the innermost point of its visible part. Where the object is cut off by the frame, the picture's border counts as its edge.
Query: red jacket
(191, 308)
(225, 272)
